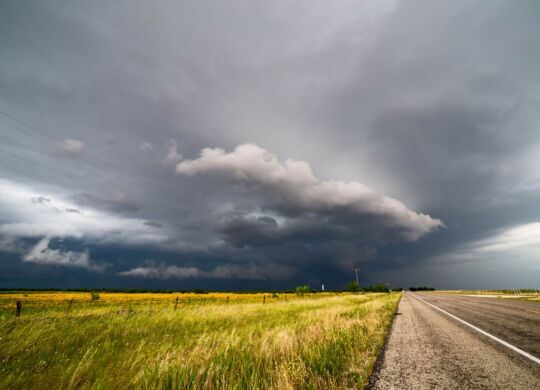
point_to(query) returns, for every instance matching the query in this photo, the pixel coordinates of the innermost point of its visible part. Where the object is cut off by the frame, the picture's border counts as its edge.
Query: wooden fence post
(176, 303)
(264, 298)
(69, 306)
(19, 308)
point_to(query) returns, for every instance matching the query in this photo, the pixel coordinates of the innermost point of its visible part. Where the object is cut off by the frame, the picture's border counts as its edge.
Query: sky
(262, 145)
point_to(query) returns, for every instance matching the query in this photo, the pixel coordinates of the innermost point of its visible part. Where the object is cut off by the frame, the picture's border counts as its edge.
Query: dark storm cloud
(312, 213)
(431, 106)
(153, 224)
(118, 202)
(242, 231)
(40, 200)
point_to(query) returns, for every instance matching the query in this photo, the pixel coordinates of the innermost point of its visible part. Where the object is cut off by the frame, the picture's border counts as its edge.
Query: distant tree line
(138, 290)
(421, 289)
(380, 287)
(299, 290)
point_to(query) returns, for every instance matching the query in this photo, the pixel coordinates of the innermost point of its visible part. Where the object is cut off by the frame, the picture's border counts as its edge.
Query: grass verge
(324, 343)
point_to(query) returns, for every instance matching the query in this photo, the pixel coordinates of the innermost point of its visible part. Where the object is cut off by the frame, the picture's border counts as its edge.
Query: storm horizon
(259, 146)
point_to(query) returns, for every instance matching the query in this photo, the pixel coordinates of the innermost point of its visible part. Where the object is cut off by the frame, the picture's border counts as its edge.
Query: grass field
(231, 341)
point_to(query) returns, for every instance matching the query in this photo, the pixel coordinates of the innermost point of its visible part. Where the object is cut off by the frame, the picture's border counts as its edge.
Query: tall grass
(325, 343)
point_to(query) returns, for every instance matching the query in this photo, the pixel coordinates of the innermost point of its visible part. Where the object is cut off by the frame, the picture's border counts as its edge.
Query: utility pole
(356, 272)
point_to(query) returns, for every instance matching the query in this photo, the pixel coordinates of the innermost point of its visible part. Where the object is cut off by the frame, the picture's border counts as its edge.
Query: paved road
(429, 350)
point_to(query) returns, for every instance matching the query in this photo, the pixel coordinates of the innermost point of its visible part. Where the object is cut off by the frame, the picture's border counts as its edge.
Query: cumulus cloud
(291, 189)
(228, 271)
(173, 156)
(72, 148)
(42, 254)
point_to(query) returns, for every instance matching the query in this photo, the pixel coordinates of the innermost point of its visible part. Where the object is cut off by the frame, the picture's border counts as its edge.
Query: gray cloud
(118, 202)
(153, 224)
(40, 200)
(291, 189)
(21, 216)
(41, 253)
(230, 271)
(433, 105)
(72, 148)
(173, 156)
(144, 146)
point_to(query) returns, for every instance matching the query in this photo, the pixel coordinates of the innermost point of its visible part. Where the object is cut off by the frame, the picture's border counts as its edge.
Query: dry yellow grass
(326, 342)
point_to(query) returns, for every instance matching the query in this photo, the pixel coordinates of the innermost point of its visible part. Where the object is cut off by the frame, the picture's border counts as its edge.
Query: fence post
(227, 300)
(176, 303)
(264, 298)
(69, 306)
(19, 308)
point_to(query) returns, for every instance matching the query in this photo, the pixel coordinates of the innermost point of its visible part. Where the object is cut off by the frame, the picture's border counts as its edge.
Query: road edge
(374, 376)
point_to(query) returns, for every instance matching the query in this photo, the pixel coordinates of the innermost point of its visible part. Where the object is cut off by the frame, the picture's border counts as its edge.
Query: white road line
(512, 347)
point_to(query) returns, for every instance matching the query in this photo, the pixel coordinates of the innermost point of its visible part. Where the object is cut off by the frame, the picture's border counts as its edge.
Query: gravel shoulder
(428, 350)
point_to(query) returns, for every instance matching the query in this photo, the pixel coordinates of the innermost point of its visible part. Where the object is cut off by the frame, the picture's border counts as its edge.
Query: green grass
(323, 343)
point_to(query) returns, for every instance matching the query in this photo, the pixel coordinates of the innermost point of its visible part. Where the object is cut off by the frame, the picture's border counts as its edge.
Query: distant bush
(301, 290)
(376, 288)
(353, 286)
(94, 296)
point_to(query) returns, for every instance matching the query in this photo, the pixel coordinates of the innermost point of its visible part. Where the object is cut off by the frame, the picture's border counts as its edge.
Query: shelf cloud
(291, 190)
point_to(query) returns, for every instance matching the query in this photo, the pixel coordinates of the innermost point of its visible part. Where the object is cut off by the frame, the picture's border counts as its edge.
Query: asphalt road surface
(428, 349)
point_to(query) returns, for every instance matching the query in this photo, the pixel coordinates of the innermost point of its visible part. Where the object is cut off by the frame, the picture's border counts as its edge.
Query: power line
(31, 161)
(37, 151)
(29, 134)
(36, 163)
(23, 145)
(31, 126)
(59, 142)
(58, 146)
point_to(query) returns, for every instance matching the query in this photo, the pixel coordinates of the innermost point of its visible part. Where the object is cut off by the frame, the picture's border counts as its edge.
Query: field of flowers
(191, 341)
(34, 302)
